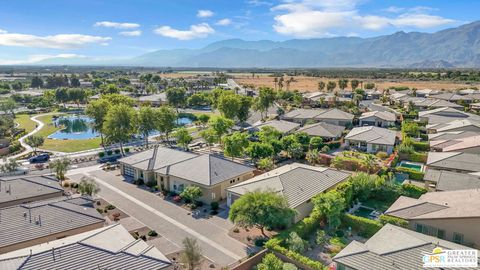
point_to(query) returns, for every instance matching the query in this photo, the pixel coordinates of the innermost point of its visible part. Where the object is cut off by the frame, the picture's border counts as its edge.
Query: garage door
(128, 171)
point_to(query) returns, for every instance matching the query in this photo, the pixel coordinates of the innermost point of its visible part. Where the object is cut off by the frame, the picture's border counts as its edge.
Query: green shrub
(413, 191)
(273, 244)
(101, 154)
(260, 241)
(66, 184)
(152, 233)
(127, 150)
(363, 226)
(110, 207)
(109, 152)
(289, 266)
(421, 146)
(412, 174)
(334, 144)
(99, 210)
(117, 151)
(214, 206)
(384, 219)
(418, 157)
(382, 155)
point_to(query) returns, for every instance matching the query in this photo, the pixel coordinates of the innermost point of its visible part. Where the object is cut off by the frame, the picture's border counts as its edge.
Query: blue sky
(35, 30)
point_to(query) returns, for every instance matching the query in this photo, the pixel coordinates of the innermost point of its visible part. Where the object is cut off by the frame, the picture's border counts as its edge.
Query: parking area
(172, 222)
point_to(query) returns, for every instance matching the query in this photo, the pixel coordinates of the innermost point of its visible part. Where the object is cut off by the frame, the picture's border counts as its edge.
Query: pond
(74, 127)
(182, 121)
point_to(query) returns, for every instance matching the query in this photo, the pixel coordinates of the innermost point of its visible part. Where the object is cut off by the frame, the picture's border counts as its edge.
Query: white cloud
(201, 30)
(32, 59)
(117, 25)
(135, 33)
(313, 18)
(2, 31)
(420, 21)
(204, 13)
(224, 22)
(61, 41)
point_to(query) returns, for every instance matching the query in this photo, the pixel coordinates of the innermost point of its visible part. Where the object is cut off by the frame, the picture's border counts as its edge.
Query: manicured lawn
(25, 122)
(71, 145)
(48, 127)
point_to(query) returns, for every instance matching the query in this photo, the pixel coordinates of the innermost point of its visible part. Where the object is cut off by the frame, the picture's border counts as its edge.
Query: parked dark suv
(40, 158)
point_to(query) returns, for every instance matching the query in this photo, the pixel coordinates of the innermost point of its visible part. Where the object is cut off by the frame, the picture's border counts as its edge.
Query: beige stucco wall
(469, 227)
(302, 211)
(210, 193)
(50, 237)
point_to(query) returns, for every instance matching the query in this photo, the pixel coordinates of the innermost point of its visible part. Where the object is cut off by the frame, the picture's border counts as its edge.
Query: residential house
(451, 135)
(109, 247)
(154, 100)
(324, 130)
(445, 115)
(453, 97)
(173, 170)
(431, 103)
(440, 180)
(455, 125)
(468, 91)
(475, 106)
(332, 116)
(32, 224)
(297, 182)
(378, 119)
(449, 215)
(466, 145)
(453, 161)
(21, 189)
(280, 125)
(371, 139)
(372, 94)
(425, 92)
(391, 248)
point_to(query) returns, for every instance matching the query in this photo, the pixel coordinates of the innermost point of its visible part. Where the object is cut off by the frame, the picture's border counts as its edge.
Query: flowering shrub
(177, 198)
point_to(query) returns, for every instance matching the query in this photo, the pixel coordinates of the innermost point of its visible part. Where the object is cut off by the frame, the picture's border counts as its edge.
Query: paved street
(169, 220)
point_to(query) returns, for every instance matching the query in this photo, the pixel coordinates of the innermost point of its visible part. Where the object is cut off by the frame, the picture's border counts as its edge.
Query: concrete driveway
(169, 220)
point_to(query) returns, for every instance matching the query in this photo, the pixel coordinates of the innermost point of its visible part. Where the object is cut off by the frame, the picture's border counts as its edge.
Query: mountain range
(454, 47)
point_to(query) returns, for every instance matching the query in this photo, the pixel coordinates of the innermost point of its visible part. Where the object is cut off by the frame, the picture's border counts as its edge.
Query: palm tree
(312, 156)
(370, 163)
(59, 167)
(192, 253)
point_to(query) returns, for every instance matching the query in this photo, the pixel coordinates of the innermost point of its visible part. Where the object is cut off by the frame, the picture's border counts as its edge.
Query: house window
(441, 234)
(213, 196)
(458, 238)
(429, 230)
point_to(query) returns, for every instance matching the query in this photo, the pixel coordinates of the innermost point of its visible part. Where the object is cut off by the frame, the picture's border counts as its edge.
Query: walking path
(171, 221)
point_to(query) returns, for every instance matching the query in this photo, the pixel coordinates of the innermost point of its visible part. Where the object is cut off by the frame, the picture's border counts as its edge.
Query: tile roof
(323, 129)
(319, 114)
(156, 158)
(31, 221)
(23, 187)
(456, 144)
(447, 180)
(392, 248)
(280, 125)
(456, 125)
(206, 169)
(109, 247)
(384, 115)
(449, 135)
(436, 103)
(454, 161)
(371, 134)
(438, 205)
(334, 114)
(297, 182)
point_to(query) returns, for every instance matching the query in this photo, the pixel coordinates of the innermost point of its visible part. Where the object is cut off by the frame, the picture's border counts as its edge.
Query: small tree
(270, 262)
(60, 167)
(295, 150)
(265, 164)
(295, 243)
(88, 186)
(34, 141)
(183, 137)
(210, 137)
(261, 209)
(235, 144)
(331, 206)
(191, 193)
(321, 238)
(312, 156)
(192, 253)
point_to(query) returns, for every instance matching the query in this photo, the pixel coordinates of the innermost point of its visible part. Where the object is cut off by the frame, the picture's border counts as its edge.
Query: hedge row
(412, 174)
(421, 146)
(393, 220)
(413, 191)
(363, 226)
